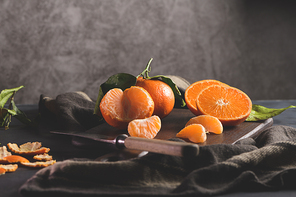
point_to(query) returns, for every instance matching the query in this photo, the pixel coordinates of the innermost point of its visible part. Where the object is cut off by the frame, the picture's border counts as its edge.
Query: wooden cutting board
(177, 119)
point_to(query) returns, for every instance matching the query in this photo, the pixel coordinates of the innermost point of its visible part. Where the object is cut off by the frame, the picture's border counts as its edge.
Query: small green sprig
(12, 110)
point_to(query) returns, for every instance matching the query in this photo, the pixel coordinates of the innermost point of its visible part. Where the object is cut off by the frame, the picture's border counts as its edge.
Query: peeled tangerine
(195, 133)
(145, 128)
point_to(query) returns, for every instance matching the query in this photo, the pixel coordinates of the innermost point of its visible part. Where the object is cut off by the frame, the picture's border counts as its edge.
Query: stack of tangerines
(140, 108)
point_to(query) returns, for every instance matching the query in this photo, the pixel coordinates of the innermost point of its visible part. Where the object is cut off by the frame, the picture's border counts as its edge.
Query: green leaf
(5, 117)
(20, 115)
(262, 113)
(120, 80)
(6, 94)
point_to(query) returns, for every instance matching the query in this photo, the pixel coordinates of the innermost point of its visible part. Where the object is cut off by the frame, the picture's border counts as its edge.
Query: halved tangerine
(211, 123)
(194, 89)
(119, 107)
(145, 128)
(230, 105)
(195, 133)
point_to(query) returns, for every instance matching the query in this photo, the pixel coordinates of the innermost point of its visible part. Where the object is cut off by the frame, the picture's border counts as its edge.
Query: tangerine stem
(146, 71)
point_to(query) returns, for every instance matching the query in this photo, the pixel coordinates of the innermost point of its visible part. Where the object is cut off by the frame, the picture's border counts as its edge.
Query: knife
(122, 141)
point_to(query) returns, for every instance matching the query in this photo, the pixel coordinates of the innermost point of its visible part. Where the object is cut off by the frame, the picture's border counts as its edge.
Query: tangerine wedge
(145, 128)
(211, 123)
(194, 89)
(195, 133)
(230, 105)
(119, 107)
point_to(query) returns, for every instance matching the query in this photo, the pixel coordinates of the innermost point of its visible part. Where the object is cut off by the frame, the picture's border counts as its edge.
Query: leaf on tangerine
(178, 96)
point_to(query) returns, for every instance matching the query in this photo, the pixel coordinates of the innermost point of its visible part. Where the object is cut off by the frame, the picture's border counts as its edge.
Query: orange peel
(4, 152)
(14, 159)
(9, 167)
(29, 148)
(39, 164)
(43, 157)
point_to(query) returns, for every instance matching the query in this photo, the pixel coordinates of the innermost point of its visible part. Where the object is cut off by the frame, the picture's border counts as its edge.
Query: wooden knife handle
(162, 146)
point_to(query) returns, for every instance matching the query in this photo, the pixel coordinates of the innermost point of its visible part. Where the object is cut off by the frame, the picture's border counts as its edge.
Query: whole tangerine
(161, 93)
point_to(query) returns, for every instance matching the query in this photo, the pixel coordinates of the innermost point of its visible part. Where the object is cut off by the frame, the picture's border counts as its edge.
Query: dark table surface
(61, 148)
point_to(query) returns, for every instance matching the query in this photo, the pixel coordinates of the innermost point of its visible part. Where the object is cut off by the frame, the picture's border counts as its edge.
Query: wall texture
(52, 47)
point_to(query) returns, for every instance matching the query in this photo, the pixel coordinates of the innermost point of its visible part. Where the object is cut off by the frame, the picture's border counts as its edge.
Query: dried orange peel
(43, 157)
(14, 159)
(29, 148)
(9, 167)
(39, 164)
(4, 152)
(2, 171)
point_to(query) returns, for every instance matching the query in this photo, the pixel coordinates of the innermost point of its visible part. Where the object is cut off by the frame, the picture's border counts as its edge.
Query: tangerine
(194, 89)
(211, 123)
(161, 93)
(230, 105)
(119, 107)
(145, 128)
(195, 133)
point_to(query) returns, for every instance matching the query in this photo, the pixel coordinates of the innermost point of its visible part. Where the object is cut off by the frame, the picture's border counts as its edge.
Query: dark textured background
(52, 47)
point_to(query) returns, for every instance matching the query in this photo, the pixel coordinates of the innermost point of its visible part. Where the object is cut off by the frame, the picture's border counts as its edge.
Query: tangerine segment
(211, 123)
(145, 128)
(194, 89)
(119, 107)
(195, 133)
(230, 105)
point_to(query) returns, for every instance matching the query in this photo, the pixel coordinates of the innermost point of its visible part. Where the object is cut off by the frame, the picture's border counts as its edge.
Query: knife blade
(122, 141)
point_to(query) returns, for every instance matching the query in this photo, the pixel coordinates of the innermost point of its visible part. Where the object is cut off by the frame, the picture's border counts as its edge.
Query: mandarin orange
(145, 128)
(211, 123)
(119, 107)
(194, 89)
(230, 105)
(161, 93)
